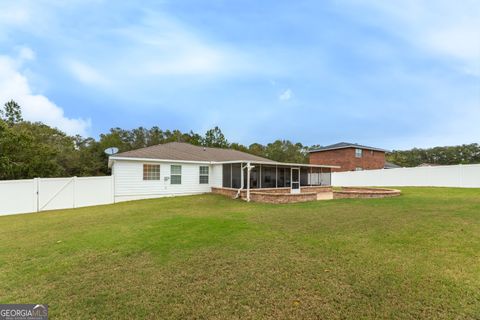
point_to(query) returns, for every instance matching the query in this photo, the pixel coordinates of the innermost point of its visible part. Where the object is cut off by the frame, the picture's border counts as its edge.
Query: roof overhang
(111, 159)
(276, 163)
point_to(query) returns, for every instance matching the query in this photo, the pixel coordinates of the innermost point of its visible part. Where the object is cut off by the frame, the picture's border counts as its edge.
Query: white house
(183, 169)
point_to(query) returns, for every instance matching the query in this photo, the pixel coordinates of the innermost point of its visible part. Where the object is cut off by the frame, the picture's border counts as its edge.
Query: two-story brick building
(349, 156)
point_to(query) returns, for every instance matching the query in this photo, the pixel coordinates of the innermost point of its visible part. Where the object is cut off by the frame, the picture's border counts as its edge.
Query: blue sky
(392, 74)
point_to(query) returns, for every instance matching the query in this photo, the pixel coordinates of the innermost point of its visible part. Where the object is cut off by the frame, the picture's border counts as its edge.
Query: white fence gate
(39, 194)
(462, 176)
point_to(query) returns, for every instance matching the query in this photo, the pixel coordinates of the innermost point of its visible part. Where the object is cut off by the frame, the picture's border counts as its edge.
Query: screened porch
(275, 175)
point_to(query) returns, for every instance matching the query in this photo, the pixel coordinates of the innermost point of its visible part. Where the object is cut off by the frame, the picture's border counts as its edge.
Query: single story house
(183, 169)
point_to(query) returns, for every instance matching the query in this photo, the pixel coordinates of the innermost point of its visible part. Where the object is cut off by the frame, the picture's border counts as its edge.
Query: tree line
(33, 149)
(463, 154)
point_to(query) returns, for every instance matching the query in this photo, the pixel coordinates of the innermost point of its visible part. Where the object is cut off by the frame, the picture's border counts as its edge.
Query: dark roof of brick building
(344, 145)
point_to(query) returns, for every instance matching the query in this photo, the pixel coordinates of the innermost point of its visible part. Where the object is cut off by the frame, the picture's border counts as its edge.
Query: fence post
(113, 188)
(36, 189)
(35, 194)
(74, 191)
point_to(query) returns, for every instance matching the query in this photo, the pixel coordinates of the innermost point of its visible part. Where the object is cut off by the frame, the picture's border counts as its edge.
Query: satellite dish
(110, 151)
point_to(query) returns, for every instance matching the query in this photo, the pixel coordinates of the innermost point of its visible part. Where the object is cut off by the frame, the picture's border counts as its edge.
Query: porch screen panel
(268, 177)
(227, 176)
(314, 177)
(281, 177)
(326, 177)
(254, 177)
(304, 176)
(287, 177)
(236, 175)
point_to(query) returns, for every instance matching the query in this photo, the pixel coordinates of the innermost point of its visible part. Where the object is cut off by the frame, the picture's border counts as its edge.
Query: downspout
(241, 181)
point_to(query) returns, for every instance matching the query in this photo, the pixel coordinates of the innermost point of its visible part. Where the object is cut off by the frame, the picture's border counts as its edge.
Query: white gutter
(113, 158)
(273, 163)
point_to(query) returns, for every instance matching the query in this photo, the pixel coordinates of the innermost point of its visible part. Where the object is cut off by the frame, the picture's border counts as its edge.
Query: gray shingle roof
(343, 145)
(188, 152)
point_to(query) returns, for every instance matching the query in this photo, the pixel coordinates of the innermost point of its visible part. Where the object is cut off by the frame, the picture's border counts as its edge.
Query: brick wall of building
(345, 158)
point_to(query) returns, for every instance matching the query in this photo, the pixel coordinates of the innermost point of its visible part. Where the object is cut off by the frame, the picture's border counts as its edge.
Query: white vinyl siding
(129, 183)
(216, 175)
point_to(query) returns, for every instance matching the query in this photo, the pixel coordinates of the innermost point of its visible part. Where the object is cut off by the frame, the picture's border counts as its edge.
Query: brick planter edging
(268, 195)
(355, 192)
(283, 195)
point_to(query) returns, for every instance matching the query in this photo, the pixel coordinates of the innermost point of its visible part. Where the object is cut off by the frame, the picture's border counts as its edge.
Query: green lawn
(209, 257)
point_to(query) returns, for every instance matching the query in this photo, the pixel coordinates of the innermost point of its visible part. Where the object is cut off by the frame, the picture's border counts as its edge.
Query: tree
(464, 154)
(257, 149)
(215, 138)
(12, 113)
(286, 151)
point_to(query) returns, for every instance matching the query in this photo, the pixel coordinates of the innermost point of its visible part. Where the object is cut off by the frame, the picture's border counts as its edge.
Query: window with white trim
(358, 153)
(203, 175)
(175, 174)
(358, 169)
(151, 172)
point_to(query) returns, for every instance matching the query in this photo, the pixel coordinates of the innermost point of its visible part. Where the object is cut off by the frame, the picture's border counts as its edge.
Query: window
(358, 153)
(151, 172)
(358, 169)
(203, 174)
(175, 174)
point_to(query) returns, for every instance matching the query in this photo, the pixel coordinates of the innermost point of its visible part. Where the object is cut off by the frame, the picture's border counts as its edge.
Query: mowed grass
(208, 257)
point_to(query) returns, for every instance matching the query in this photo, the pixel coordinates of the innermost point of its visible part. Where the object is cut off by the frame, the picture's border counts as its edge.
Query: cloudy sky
(392, 74)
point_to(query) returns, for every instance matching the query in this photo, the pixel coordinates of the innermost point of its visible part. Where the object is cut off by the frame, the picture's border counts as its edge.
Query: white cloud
(25, 54)
(86, 74)
(35, 107)
(286, 95)
(162, 46)
(443, 28)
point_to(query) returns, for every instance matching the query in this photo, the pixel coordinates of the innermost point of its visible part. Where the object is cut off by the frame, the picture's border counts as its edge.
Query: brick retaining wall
(352, 192)
(283, 195)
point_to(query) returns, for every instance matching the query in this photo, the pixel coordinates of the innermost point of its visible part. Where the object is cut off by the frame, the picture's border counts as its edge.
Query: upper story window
(203, 174)
(175, 174)
(358, 153)
(151, 172)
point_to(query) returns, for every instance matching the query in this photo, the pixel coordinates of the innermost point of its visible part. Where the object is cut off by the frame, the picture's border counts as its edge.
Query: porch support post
(249, 167)
(276, 176)
(260, 177)
(311, 176)
(241, 175)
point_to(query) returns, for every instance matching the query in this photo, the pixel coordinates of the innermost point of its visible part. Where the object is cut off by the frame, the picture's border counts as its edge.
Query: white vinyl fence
(463, 176)
(39, 194)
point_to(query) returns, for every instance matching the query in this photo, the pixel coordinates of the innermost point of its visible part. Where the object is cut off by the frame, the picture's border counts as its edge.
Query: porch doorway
(295, 180)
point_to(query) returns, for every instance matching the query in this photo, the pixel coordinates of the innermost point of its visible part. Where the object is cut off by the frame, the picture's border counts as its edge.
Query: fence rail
(39, 194)
(462, 176)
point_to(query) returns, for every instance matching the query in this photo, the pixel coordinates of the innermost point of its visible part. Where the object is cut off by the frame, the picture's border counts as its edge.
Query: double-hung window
(358, 153)
(203, 175)
(151, 172)
(175, 174)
